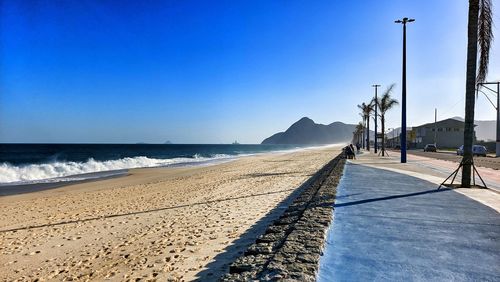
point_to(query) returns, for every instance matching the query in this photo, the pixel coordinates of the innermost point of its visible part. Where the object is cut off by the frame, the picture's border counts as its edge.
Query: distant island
(167, 142)
(306, 131)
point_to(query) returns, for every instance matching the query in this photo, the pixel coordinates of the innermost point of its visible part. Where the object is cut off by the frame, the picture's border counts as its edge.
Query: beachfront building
(448, 133)
(393, 138)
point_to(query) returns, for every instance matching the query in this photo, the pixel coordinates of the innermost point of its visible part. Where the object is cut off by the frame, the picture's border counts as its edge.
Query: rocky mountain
(306, 131)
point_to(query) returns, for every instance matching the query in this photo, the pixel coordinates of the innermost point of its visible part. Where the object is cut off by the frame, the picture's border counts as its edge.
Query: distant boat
(235, 143)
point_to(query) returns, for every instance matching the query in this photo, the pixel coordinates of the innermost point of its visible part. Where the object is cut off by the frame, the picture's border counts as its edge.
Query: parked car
(430, 148)
(477, 150)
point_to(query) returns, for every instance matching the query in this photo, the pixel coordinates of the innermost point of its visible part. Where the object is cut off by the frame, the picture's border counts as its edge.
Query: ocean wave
(34, 173)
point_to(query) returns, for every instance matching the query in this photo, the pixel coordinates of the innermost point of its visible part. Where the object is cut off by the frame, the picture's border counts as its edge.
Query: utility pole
(497, 149)
(403, 100)
(376, 116)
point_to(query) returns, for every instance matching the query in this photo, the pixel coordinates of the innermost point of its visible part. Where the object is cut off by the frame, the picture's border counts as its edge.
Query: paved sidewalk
(436, 171)
(392, 226)
(486, 162)
(445, 168)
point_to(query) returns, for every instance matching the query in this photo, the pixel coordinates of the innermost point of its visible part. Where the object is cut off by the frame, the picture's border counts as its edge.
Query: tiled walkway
(391, 226)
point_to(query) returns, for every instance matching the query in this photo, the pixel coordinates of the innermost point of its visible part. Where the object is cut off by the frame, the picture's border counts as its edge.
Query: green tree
(363, 122)
(385, 103)
(366, 110)
(479, 32)
(359, 132)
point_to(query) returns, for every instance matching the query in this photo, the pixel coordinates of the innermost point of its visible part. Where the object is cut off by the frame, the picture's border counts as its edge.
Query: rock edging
(291, 246)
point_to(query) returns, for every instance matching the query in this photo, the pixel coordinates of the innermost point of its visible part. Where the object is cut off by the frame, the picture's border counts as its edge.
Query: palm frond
(391, 103)
(366, 109)
(360, 127)
(389, 89)
(386, 102)
(369, 108)
(484, 38)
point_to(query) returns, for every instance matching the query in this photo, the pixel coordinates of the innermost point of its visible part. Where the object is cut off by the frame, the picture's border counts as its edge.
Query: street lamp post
(497, 151)
(376, 86)
(403, 99)
(483, 84)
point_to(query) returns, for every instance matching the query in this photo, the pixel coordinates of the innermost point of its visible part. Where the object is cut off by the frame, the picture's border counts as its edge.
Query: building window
(433, 129)
(456, 129)
(440, 129)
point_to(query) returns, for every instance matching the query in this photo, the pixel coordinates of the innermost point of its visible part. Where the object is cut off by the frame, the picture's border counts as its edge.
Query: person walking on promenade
(349, 152)
(352, 150)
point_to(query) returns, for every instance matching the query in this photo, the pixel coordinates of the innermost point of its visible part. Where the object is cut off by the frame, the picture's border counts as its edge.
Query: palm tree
(366, 110)
(385, 103)
(363, 133)
(363, 139)
(359, 132)
(362, 114)
(479, 31)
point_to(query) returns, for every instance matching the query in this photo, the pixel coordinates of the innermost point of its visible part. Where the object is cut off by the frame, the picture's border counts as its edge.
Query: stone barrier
(291, 246)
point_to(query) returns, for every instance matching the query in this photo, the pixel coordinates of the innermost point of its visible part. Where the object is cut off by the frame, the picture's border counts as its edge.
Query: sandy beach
(154, 224)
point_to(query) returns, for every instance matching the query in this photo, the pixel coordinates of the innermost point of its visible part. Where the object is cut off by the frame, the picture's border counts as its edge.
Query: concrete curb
(291, 247)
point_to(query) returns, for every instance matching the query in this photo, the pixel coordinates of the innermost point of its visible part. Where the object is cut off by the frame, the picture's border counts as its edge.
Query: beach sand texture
(154, 224)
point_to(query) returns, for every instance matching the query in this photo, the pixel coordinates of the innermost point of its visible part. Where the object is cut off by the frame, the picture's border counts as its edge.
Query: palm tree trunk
(368, 134)
(363, 135)
(382, 120)
(470, 87)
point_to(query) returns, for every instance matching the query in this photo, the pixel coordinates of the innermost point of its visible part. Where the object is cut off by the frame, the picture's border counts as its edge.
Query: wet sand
(153, 224)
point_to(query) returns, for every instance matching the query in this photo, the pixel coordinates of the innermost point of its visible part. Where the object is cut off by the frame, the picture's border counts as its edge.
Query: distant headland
(306, 131)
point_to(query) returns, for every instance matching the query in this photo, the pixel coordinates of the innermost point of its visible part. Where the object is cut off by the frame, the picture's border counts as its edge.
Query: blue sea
(48, 163)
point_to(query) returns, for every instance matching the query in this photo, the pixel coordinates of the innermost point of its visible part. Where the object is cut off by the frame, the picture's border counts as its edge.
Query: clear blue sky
(219, 71)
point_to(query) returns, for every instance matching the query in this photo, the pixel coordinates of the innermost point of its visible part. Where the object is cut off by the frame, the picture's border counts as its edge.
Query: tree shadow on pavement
(390, 197)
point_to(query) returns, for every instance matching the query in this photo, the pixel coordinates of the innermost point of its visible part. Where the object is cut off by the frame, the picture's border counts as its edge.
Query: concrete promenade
(392, 226)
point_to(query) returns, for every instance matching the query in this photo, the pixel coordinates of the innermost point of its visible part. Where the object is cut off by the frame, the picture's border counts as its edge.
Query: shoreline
(21, 187)
(10, 190)
(155, 223)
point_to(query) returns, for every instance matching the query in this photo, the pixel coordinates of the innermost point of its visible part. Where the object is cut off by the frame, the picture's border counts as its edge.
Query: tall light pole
(483, 84)
(403, 99)
(376, 116)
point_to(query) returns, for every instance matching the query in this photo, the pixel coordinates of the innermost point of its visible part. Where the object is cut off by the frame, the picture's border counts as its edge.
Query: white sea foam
(34, 173)
(58, 171)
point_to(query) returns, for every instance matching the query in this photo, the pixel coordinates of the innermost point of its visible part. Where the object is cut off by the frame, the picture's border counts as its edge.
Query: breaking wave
(56, 171)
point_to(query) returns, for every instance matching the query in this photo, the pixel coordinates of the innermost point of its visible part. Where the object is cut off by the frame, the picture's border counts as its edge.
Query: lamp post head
(405, 20)
(376, 85)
